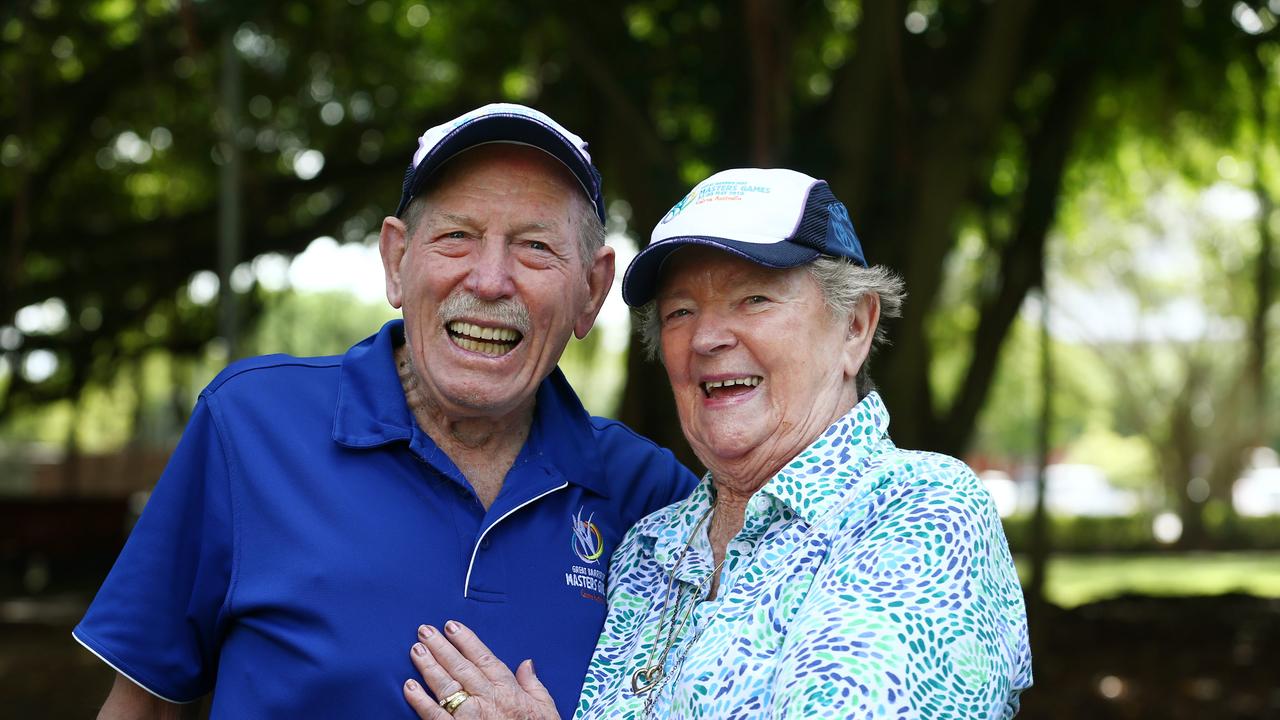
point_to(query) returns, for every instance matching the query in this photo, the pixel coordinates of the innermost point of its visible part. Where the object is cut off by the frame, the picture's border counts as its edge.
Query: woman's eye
(538, 245)
(678, 312)
(754, 299)
(456, 235)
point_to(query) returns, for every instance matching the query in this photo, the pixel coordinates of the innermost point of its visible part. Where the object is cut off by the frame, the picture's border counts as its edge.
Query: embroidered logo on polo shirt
(588, 544)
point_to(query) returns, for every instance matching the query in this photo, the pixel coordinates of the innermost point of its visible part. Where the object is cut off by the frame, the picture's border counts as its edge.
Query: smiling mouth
(731, 386)
(491, 341)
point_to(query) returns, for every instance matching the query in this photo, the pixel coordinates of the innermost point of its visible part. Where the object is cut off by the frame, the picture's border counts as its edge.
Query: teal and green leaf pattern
(866, 582)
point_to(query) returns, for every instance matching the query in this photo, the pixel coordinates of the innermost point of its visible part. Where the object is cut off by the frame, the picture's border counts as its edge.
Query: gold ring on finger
(452, 702)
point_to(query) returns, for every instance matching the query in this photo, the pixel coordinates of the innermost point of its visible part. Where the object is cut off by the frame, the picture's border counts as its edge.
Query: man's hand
(457, 661)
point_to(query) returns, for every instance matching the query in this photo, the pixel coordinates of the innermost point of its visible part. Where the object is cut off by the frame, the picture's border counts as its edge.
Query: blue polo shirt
(305, 526)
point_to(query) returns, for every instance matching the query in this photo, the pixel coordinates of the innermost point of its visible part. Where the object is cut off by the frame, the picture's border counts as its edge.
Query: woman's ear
(861, 329)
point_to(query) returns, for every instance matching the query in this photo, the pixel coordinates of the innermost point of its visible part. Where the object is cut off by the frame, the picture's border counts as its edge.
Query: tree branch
(1021, 265)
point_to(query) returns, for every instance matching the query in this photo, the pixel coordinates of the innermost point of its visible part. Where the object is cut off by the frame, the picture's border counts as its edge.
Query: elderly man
(317, 509)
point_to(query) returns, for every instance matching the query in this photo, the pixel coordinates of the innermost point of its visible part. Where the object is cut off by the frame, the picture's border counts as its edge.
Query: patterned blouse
(866, 582)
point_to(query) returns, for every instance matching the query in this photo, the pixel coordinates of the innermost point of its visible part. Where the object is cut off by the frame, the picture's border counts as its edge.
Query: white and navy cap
(501, 123)
(776, 218)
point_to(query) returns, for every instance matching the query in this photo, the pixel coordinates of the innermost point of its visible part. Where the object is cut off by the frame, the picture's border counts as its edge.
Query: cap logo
(679, 207)
(714, 192)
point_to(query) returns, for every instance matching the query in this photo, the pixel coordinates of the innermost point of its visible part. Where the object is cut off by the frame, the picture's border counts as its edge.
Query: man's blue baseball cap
(501, 123)
(777, 218)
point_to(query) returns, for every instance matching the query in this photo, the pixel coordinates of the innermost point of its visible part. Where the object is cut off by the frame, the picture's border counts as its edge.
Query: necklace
(652, 677)
(651, 673)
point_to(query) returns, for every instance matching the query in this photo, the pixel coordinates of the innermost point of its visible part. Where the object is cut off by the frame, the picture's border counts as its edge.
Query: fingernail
(533, 669)
(425, 631)
(451, 627)
(411, 686)
(419, 649)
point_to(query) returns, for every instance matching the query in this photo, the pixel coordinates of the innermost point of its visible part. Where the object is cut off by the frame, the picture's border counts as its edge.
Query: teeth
(471, 330)
(485, 348)
(748, 381)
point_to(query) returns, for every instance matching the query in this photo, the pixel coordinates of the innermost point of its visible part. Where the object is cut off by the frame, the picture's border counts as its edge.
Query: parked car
(1077, 489)
(1004, 491)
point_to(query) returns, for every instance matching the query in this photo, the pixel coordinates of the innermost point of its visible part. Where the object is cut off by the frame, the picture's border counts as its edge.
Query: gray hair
(590, 230)
(842, 282)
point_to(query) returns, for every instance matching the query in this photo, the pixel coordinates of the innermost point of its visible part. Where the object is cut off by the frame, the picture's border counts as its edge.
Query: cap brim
(640, 283)
(516, 129)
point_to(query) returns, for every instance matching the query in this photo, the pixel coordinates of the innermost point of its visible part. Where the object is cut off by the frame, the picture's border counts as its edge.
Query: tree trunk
(1264, 297)
(769, 47)
(1040, 540)
(229, 180)
(938, 178)
(1021, 260)
(1180, 455)
(20, 222)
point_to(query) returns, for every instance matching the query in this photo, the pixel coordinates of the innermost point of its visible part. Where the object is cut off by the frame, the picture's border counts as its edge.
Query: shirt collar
(371, 408)
(371, 411)
(816, 479)
(671, 528)
(809, 485)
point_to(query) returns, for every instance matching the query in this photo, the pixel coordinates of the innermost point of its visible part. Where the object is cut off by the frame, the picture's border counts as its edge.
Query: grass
(1078, 579)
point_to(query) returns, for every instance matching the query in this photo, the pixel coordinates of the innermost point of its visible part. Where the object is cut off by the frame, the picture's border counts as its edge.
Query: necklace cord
(651, 678)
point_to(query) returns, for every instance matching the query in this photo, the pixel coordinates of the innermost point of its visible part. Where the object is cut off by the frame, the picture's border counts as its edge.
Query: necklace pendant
(644, 679)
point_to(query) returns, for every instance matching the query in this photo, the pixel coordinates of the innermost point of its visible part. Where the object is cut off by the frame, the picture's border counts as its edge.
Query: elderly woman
(818, 570)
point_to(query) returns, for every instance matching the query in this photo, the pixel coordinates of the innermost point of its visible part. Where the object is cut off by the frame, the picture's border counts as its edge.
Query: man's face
(493, 282)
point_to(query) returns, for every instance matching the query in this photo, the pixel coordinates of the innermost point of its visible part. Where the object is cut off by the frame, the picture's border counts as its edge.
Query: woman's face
(758, 364)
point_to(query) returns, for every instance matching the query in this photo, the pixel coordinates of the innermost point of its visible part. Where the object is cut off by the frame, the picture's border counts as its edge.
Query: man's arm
(159, 614)
(128, 701)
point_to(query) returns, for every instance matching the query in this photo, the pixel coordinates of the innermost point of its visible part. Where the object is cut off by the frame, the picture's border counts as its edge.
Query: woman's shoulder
(916, 485)
(903, 470)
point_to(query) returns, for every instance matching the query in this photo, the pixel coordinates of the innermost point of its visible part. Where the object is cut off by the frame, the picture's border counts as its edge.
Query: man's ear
(861, 329)
(599, 280)
(392, 244)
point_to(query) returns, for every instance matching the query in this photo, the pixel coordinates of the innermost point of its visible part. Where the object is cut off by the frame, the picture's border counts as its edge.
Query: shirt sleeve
(654, 478)
(683, 481)
(158, 616)
(916, 612)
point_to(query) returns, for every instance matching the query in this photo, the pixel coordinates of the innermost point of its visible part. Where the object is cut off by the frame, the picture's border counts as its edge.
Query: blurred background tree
(1119, 157)
(941, 126)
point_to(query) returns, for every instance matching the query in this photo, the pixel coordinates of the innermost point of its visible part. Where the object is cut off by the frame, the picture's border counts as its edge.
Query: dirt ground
(1167, 658)
(1132, 657)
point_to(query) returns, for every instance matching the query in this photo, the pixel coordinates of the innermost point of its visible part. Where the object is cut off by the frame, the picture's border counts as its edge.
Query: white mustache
(507, 313)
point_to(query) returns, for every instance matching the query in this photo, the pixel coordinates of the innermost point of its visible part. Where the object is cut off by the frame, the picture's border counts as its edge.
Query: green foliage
(1083, 393)
(314, 323)
(1127, 460)
(1077, 580)
(1133, 534)
(940, 133)
(597, 371)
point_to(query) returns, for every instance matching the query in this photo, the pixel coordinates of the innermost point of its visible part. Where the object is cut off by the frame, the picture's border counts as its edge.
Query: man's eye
(538, 245)
(456, 235)
(754, 299)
